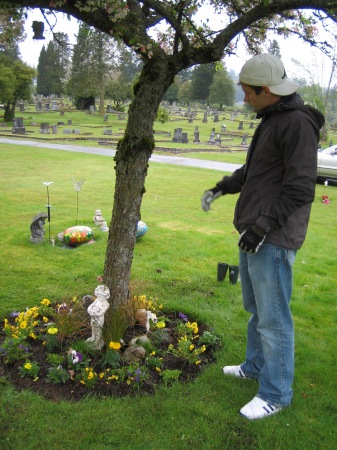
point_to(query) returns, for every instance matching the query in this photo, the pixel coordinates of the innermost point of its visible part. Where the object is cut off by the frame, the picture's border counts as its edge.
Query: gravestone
(251, 125)
(244, 140)
(205, 117)
(62, 113)
(67, 131)
(18, 127)
(54, 106)
(44, 128)
(46, 106)
(60, 123)
(76, 131)
(212, 138)
(240, 127)
(177, 135)
(91, 109)
(218, 139)
(106, 118)
(216, 117)
(223, 128)
(107, 132)
(54, 129)
(196, 135)
(22, 107)
(70, 122)
(38, 106)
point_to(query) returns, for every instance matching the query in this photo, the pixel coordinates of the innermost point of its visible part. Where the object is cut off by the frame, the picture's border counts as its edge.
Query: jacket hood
(292, 102)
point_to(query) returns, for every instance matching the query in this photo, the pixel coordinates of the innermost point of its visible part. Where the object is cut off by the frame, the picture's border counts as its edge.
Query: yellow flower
(45, 302)
(160, 324)
(113, 377)
(52, 330)
(45, 319)
(27, 366)
(157, 369)
(23, 324)
(198, 362)
(101, 375)
(171, 347)
(191, 347)
(32, 335)
(152, 353)
(203, 348)
(114, 345)
(36, 378)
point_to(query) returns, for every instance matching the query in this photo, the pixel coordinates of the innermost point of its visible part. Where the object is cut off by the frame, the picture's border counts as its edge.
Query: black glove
(251, 239)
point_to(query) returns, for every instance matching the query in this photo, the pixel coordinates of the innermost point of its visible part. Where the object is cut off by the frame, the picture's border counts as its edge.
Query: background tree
(53, 66)
(119, 91)
(274, 49)
(222, 90)
(92, 61)
(129, 64)
(15, 84)
(183, 41)
(172, 93)
(202, 78)
(184, 94)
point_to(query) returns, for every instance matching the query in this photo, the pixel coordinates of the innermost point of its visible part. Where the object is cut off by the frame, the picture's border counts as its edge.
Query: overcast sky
(291, 49)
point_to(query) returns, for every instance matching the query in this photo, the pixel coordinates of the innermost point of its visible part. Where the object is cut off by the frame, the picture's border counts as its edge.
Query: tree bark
(132, 156)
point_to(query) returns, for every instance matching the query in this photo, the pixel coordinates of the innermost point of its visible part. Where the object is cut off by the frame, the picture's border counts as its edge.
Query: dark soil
(75, 391)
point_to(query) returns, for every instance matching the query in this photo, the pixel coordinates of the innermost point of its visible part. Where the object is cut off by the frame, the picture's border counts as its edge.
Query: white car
(327, 163)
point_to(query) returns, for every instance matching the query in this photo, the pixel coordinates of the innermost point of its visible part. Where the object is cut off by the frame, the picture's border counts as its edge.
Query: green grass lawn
(175, 261)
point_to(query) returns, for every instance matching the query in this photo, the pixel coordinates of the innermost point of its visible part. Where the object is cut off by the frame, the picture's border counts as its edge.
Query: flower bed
(44, 349)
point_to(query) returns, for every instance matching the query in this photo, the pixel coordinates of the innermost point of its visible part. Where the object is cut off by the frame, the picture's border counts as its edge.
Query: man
(277, 187)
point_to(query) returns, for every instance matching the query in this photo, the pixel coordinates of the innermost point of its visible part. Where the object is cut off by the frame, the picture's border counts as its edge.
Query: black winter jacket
(277, 183)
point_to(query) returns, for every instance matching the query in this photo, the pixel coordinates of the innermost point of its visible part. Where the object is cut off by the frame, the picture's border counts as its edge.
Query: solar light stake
(47, 184)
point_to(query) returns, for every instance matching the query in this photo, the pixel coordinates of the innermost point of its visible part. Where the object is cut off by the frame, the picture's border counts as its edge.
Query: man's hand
(209, 197)
(251, 239)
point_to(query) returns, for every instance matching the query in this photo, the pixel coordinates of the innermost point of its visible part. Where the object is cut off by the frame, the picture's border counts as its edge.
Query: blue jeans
(266, 279)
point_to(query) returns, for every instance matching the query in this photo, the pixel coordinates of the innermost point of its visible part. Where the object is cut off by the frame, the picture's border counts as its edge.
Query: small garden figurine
(36, 228)
(98, 219)
(96, 311)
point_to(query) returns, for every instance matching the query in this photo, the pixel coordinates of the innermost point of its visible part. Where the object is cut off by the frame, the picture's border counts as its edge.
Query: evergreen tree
(42, 79)
(222, 90)
(202, 78)
(274, 49)
(53, 66)
(93, 57)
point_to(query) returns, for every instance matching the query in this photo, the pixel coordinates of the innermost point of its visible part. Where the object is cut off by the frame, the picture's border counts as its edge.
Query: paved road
(176, 160)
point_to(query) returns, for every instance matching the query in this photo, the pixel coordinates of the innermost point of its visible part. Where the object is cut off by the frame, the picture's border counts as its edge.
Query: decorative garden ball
(78, 235)
(141, 229)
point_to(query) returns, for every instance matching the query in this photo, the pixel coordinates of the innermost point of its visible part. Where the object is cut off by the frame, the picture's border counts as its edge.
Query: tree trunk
(9, 113)
(132, 156)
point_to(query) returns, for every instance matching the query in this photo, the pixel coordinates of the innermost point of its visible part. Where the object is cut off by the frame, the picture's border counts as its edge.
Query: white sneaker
(258, 409)
(234, 371)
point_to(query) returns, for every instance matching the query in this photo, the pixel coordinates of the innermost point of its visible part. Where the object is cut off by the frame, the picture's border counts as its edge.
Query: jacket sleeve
(232, 184)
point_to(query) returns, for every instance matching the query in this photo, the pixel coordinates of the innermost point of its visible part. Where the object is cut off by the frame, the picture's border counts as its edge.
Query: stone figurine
(96, 311)
(36, 228)
(98, 219)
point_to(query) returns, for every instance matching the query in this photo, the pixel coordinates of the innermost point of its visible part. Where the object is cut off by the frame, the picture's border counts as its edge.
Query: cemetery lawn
(175, 262)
